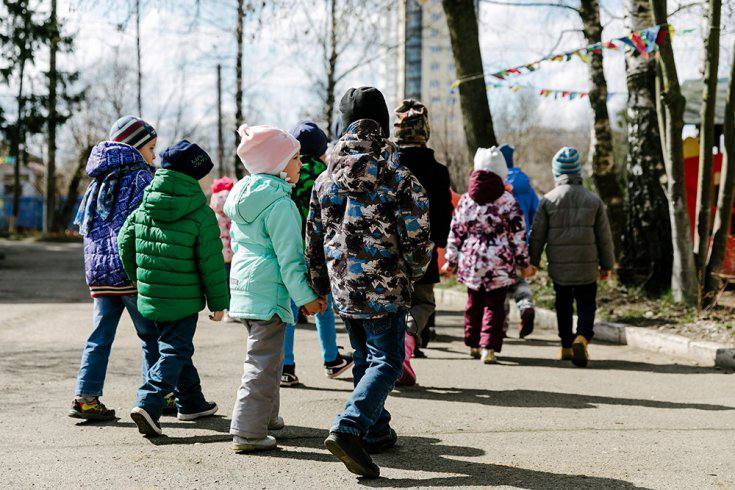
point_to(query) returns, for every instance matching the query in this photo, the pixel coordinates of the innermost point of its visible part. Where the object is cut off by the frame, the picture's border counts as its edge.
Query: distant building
(422, 67)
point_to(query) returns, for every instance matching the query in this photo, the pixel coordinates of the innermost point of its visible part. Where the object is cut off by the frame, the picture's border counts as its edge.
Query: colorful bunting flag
(643, 42)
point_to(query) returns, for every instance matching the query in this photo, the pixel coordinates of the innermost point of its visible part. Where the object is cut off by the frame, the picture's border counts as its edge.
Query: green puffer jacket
(268, 269)
(171, 247)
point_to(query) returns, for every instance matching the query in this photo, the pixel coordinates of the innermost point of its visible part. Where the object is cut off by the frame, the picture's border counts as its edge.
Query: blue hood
(519, 180)
(109, 155)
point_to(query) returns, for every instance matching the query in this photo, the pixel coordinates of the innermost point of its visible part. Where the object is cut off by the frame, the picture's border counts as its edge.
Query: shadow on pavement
(595, 364)
(539, 399)
(428, 454)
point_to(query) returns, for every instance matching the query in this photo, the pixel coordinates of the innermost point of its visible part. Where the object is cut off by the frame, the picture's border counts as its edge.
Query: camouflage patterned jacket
(368, 227)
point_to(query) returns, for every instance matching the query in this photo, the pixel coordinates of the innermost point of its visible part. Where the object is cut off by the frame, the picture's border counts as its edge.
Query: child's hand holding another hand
(217, 316)
(319, 305)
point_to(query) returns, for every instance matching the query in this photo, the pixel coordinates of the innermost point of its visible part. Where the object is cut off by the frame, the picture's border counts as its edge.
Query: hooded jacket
(524, 194)
(119, 175)
(368, 228)
(171, 247)
(268, 268)
(487, 241)
(571, 223)
(434, 177)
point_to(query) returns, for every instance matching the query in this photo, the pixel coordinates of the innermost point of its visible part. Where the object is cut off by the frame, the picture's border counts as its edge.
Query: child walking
(486, 245)
(367, 239)
(220, 190)
(313, 143)
(268, 272)
(171, 248)
(119, 171)
(527, 199)
(571, 224)
(411, 131)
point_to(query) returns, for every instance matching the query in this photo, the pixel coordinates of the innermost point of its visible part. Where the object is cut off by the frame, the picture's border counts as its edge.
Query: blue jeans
(173, 370)
(107, 313)
(379, 353)
(325, 327)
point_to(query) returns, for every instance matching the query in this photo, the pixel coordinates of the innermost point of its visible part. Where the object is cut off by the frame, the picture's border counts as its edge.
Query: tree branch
(531, 4)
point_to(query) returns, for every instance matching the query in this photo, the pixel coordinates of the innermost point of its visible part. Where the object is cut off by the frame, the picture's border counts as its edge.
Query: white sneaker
(243, 445)
(277, 423)
(487, 356)
(146, 425)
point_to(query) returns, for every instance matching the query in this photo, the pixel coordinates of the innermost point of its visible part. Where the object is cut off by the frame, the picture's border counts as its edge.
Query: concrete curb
(702, 352)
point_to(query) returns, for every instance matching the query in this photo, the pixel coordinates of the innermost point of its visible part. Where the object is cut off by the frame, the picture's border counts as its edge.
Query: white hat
(491, 159)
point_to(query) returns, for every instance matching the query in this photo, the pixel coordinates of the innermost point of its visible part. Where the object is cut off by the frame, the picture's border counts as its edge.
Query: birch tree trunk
(601, 147)
(463, 33)
(723, 216)
(670, 104)
(646, 257)
(706, 141)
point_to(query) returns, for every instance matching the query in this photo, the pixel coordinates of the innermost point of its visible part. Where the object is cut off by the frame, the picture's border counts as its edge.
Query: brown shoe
(566, 354)
(580, 355)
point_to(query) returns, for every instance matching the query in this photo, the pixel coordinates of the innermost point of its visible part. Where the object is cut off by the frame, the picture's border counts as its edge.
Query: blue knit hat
(312, 138)
(507, 151)
(566, 161)
(132, 131)
(187, 158)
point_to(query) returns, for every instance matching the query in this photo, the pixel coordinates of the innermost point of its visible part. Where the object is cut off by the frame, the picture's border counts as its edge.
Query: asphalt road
(630, 420)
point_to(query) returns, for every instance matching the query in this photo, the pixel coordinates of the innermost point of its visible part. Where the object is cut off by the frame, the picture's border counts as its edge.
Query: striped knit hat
(132, 131)
(566, 161)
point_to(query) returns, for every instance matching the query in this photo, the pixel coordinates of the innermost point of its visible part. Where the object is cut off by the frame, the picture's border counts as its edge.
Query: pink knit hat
(265, 149)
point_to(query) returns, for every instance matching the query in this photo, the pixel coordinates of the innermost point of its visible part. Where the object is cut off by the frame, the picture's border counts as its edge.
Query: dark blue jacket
(118, 176)
(525, 195)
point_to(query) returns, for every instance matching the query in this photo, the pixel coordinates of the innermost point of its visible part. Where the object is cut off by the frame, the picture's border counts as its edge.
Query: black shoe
(418, 353)
(340, 365)
(527, 318)
(169, 405)
(92, 409)
(288, 376)
(381, 445)
(207, 410)
(146, 425)
(348, 449)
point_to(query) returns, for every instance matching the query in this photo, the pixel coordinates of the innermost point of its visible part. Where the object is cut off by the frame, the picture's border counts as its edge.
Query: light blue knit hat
(566, 161)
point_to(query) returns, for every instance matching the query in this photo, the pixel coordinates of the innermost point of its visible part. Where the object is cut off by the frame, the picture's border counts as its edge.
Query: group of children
(356, 232)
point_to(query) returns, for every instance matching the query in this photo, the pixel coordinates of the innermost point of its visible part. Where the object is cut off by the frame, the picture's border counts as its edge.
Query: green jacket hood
(172, 195)
(253, 195)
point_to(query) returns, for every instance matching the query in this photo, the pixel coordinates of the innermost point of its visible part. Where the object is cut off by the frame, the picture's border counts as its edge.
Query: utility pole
(239, 171)
(220, 139)
(49, 209)
(137, 51)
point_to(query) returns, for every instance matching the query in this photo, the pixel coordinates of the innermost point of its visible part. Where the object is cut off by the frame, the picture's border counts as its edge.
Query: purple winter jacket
(118, 171)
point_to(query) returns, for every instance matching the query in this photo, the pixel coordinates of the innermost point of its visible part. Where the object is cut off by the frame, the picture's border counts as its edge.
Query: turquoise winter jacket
(268, 268)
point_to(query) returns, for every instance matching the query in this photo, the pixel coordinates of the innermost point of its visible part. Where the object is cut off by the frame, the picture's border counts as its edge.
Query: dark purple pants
(484, 318)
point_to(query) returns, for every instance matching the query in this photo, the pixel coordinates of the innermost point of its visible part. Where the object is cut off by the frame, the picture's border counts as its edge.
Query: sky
(181, 49)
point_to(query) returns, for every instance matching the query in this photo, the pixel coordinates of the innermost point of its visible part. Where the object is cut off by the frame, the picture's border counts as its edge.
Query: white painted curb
(701, 352)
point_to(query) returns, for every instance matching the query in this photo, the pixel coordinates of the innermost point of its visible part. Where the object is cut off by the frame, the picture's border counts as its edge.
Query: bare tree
(463, 33)
(646, 249)
(345, 33)
(706, 142)
(670, 107)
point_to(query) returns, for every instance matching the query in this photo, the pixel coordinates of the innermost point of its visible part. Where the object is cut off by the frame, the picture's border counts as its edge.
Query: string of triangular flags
(645, 42)
(548, 92)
